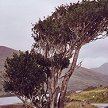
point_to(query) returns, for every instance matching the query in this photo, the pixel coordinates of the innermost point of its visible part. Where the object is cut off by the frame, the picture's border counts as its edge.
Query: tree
(61, 36)
(26, 76)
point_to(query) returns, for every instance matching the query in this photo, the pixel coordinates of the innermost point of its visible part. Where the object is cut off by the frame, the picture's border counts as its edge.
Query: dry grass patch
(76, 104)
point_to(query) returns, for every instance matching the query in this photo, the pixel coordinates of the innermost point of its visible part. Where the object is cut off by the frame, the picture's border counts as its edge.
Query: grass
(84, 98)
(76, 104)
(97, 95)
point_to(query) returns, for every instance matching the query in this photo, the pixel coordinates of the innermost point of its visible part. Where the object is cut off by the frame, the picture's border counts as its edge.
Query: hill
(4, 53)
(83, 78)
(102, 69)
(94, 95)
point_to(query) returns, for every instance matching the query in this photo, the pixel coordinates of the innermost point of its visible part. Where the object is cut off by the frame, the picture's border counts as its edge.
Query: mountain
(4, 53)
(83, 78)
(102, 69)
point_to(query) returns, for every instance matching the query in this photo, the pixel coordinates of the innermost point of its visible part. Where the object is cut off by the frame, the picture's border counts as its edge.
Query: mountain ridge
(102, 69)
(4, 53)
(82, 78)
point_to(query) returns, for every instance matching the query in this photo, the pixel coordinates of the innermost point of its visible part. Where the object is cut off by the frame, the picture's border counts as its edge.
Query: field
(97, 95)
(84, 98)
(79, 104)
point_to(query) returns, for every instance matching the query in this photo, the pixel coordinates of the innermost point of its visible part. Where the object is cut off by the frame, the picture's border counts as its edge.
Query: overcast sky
(16, 17)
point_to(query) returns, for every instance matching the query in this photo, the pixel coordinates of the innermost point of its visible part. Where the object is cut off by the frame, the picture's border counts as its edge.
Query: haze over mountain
(102, 69)
(81, 79)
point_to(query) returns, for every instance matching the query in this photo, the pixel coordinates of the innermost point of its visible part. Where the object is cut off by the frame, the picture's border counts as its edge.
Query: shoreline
(7, 95)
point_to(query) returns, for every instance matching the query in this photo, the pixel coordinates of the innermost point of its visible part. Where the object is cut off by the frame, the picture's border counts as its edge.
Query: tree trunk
(56, 97)
(66, 80)
(51, 89)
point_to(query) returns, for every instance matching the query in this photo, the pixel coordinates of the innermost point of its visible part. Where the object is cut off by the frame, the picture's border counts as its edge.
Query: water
(9, 100)
(100, 105)
(14, 99)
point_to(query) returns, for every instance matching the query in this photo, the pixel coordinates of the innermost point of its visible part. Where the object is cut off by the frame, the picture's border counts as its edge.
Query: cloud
(16, 17)
(95, 53)
(95, 49)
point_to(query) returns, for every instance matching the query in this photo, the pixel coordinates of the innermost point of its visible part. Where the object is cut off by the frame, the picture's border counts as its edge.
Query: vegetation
(84, 98)
(58, 38)
(62, 35)
(97, 95)
(76, 104)
(26, 77)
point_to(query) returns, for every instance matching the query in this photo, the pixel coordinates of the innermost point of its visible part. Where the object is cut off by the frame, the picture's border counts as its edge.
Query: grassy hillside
(97, 95)
(86, 97)
(76, 104)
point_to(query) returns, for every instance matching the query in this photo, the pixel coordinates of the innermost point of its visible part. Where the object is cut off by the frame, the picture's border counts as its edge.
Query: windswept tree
(26, 77)
(61, 36)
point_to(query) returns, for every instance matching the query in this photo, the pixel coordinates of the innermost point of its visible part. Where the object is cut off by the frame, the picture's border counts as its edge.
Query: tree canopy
(72, 25)
(26, 74)
(64, 33)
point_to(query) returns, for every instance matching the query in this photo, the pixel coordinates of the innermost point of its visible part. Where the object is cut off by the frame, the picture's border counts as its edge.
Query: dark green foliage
(65, 63)
(26, 73)
(60, 37)
(75, 24)
(60, 62)
(41, 60)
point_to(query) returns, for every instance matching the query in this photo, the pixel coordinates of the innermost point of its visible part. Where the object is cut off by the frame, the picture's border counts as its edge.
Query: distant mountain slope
(4, 53)
(102, 69)
(83, 78)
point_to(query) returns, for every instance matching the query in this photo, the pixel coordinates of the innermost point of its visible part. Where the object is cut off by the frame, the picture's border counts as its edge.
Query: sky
(17, 17)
